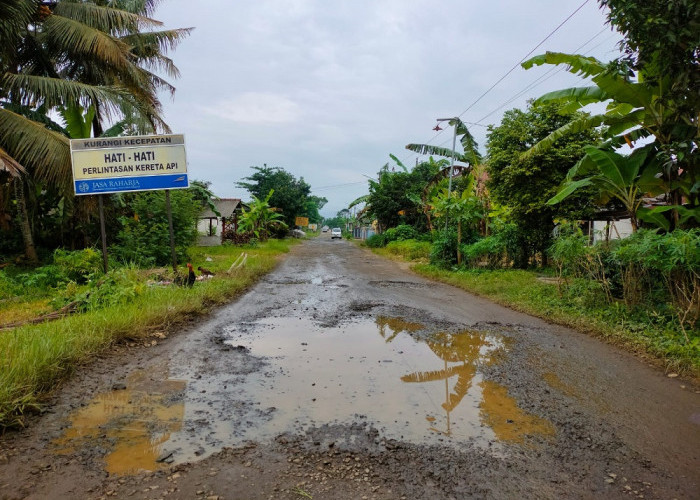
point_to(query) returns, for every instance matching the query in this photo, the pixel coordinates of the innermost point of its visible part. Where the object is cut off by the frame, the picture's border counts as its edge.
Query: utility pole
(453, 121)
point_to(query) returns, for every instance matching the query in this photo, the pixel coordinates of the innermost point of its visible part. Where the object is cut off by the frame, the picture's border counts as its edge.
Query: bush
(145, 239)
(80, 265)
(489, 250)
(44, 277)
(8, 286)
(402, 232)
(496, 250)
(119, 286)
(410, 249)
(443, 252)
(376, 241)
(655, 263)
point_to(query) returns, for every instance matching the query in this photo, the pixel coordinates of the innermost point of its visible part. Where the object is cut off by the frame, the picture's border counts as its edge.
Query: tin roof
(226, 206)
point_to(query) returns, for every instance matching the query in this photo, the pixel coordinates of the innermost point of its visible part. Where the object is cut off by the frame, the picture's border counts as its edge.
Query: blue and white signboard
(134, 163)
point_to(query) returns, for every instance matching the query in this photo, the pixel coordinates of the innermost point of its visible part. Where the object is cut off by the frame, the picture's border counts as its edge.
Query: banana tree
(626, 178)
(260, 218)
(465, 208)
(636, 109)
(470, 155)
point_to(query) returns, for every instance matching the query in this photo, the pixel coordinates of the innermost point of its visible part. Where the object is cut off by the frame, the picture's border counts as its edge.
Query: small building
(212, 227)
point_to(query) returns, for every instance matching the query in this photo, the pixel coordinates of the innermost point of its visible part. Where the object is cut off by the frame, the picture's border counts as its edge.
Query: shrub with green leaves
(376, 241)
(402, 232)
(655, 265)
(495, 250)
(145, 239)
(118, 287)
(44, 277)
(8, 286)
(410, 249)
(79, 265)
(443, 252)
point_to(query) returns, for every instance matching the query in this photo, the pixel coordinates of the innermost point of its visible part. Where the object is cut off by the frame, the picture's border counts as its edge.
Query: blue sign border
(125, 184)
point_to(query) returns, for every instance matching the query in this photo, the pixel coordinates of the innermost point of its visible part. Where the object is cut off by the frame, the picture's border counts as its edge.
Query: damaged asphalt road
(343, 375)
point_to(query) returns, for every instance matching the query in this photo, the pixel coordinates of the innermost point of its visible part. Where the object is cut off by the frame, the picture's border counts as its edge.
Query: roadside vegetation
(82, 69)
(516, 223)
(128, 304)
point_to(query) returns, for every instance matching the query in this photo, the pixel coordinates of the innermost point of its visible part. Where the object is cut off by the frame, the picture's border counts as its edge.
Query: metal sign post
(103, 232)
(170, 228)
(134, 163)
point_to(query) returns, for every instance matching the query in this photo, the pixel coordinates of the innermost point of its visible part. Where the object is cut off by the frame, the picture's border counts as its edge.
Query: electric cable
(513, 68)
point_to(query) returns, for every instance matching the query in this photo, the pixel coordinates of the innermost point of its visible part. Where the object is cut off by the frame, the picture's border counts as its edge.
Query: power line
(337, 185)
(516, 65)
(513, 68)
(537, 82)
(549, 74)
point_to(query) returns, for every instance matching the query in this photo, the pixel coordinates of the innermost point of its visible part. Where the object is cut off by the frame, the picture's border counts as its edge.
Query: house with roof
(212, 226)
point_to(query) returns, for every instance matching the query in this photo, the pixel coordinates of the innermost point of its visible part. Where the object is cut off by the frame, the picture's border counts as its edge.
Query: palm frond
(637, 94)
(580, 96)
(53, 92)
(15, 16)
(9, 164)
(78, 120)
(160, 63)
(36, 115)
(143, 7)
(471, 148)
(118, 129)
(77, 39)
(398, 162)
(431, 376)
(148, 43)
(31, 144)
(106, 19)
(620, 140)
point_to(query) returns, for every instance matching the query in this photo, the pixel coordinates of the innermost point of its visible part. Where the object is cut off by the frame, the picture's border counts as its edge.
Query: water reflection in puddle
(131, 424)
(412, 385)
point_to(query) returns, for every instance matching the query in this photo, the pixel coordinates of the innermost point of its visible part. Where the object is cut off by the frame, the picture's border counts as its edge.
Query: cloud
(328, 89)
(255, 108)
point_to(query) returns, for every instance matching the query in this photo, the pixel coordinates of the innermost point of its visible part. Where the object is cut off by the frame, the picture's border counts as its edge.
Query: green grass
(406, 250)
(37, 357)
(581, 307)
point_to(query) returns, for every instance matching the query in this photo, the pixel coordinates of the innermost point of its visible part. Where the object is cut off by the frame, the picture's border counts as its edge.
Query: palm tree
(100, 54)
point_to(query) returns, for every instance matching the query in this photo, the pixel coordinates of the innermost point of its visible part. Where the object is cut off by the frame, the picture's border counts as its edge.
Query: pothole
(401, 284)
(411, 382)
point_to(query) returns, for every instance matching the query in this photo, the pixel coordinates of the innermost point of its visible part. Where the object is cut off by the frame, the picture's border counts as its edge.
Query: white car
(336, 233)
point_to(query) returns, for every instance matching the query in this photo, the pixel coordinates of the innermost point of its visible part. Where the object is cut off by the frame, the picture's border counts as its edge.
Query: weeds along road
(343, 375)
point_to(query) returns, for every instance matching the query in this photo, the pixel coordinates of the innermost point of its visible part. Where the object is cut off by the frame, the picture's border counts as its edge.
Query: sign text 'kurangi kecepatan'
(136, 163)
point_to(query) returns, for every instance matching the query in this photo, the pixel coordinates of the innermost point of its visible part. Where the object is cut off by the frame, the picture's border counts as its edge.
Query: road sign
(302, 221)
(133, 163)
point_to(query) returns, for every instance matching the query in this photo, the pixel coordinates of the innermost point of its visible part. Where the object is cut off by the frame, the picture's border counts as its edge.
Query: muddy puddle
(129, 425)
(410, 383)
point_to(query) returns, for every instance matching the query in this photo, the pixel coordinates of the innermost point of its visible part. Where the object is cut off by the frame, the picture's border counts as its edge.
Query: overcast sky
(327, 89)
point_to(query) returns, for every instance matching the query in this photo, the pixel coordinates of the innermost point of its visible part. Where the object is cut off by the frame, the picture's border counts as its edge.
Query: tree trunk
(633, 222)
(459, 243)
(25, 226)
